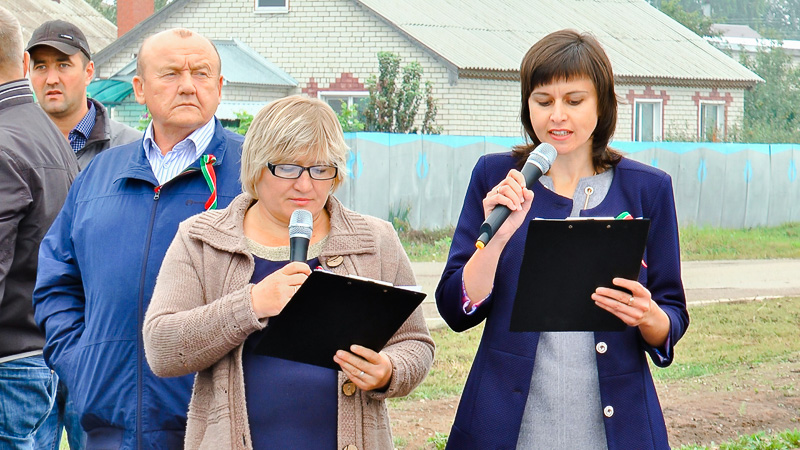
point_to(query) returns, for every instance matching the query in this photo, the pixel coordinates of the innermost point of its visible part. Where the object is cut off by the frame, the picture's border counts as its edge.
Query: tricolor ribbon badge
(211, 179)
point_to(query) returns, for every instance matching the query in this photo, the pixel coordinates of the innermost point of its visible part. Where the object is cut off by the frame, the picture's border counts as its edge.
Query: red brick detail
(131, 12)
(713, 96)
(650, 94)
(346, 82)
(311, 88)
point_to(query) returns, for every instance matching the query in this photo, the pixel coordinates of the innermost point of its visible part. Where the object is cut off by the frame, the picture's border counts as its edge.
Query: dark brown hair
(567, 55)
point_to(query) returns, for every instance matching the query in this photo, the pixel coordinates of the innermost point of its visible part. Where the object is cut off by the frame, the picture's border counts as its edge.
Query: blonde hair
(11, 46)
(288, 129)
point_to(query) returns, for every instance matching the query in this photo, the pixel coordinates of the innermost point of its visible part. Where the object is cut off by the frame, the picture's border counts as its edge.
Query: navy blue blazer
(496, 391)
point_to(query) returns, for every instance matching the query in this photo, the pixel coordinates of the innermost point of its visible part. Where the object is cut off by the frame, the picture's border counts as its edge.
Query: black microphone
(300, 227)
(538, 164)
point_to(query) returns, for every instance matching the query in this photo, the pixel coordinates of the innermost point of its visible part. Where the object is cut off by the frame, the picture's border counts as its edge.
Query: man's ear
(89, 72)
(138, 89)
(26, 60)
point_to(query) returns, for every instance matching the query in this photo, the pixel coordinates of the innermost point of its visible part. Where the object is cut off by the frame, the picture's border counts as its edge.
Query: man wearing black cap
(61, 68)
(36, 170)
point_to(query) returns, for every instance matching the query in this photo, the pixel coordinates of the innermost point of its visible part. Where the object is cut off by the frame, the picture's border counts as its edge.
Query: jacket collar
(138, 167)
(224, 229)
(101, 130)
(15, 93)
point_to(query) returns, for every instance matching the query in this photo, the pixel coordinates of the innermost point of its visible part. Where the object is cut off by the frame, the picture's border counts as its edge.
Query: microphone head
(543, 156)
(301, 224)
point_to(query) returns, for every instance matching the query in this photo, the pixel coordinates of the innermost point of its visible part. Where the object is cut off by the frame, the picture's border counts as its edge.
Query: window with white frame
(647, 121)
(712, 121)
(272, 6)
(339, 99)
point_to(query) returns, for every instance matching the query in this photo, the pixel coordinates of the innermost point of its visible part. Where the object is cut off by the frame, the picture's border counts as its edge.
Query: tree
(392, 108)
(772, 108)
(694, 21)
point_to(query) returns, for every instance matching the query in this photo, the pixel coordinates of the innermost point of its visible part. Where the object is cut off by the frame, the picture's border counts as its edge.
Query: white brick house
(671, 82)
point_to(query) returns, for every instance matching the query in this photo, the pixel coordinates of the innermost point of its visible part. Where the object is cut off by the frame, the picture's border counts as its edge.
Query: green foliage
(399, 217)
(427, 245)
(725, 338)
(772, 108)
(439, 440)
(786, 440)
(694, 21)
(392, 108)
(245, 120)
(349, 118)
(144, 121)
(705, 243)
(775, 19)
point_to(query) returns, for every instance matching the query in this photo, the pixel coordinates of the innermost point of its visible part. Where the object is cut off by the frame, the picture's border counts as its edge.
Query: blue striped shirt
(80, 134)
(182, 155)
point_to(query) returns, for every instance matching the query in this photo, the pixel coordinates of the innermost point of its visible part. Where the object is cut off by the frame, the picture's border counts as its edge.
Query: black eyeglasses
(293, 171)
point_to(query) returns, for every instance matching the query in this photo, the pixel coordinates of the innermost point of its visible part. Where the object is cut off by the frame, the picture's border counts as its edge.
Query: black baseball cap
(62, 36)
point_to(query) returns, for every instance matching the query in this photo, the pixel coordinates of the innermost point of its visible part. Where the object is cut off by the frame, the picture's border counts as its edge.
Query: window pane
(709, 122)
(646, 117)
(271, 3)
(336, 103)
(647, 122)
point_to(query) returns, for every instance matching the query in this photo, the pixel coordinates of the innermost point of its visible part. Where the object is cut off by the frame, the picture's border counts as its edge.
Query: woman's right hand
(512, 193)
(271, 294)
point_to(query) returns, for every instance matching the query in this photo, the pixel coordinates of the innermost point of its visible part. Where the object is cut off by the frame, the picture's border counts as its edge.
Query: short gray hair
(290, 128)
(11, 46)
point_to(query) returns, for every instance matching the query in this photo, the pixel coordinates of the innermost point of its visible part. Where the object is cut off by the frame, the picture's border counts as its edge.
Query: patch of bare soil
(704, 411)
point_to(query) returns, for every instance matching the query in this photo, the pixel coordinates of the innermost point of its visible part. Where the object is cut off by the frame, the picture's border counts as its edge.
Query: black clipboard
(331, 312)
(564, 262)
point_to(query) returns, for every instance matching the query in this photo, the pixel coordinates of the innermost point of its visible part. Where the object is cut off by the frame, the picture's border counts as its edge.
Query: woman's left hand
(637, 310)
(367, 369)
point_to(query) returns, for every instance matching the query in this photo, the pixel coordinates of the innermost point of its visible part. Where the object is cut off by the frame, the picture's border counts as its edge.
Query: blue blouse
(289, 404)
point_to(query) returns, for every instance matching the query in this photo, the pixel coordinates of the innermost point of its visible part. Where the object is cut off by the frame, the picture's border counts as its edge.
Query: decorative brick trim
(714, 96)
(648, 94)
(346, 82)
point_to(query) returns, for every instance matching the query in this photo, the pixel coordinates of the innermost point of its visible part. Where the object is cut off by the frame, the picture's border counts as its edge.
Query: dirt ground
(702, 411)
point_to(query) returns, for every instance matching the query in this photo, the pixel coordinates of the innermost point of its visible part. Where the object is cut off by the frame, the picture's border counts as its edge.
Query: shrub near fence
(425, 177)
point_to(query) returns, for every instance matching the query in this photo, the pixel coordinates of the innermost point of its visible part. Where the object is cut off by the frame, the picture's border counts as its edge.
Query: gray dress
(563, 410)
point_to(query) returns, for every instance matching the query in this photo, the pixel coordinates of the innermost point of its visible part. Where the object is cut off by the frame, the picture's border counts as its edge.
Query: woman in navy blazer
(569, 389)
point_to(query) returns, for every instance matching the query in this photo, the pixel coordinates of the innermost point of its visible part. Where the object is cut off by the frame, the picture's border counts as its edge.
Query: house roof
(242, 64)
(739, 31)
(99, 31)
(483, 39)
(643, 44)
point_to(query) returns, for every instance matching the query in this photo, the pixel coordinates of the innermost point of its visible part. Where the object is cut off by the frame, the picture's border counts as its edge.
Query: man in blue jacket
(99, 261)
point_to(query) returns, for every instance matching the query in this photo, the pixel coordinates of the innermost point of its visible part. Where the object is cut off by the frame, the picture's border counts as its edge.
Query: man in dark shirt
(60, 69)
(36, 170)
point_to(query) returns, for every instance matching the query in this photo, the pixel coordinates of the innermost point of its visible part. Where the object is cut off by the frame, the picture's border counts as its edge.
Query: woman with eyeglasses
(228, 272)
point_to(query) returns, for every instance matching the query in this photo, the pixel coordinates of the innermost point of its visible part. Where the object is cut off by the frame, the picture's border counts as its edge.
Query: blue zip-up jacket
(97, 269)
(493, 401)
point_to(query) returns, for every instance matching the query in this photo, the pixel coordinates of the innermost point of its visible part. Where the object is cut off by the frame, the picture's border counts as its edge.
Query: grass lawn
(697, 243)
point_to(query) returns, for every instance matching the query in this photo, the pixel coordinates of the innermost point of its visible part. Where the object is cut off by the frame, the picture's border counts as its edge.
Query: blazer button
(350, 447)
(349, 388)
(334, 261)
(601, 347)
(608, 411)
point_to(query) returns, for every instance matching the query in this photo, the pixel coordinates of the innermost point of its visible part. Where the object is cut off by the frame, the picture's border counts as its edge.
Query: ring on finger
(630, 301)
(361, 374)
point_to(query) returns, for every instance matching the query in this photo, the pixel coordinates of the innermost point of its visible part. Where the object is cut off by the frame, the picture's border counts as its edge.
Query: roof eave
(687, 82)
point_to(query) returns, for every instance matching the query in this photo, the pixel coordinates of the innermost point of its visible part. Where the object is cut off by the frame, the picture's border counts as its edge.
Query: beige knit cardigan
(201, 314)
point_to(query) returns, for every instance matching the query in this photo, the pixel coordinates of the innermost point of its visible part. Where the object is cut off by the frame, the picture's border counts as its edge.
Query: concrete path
(704, 281)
